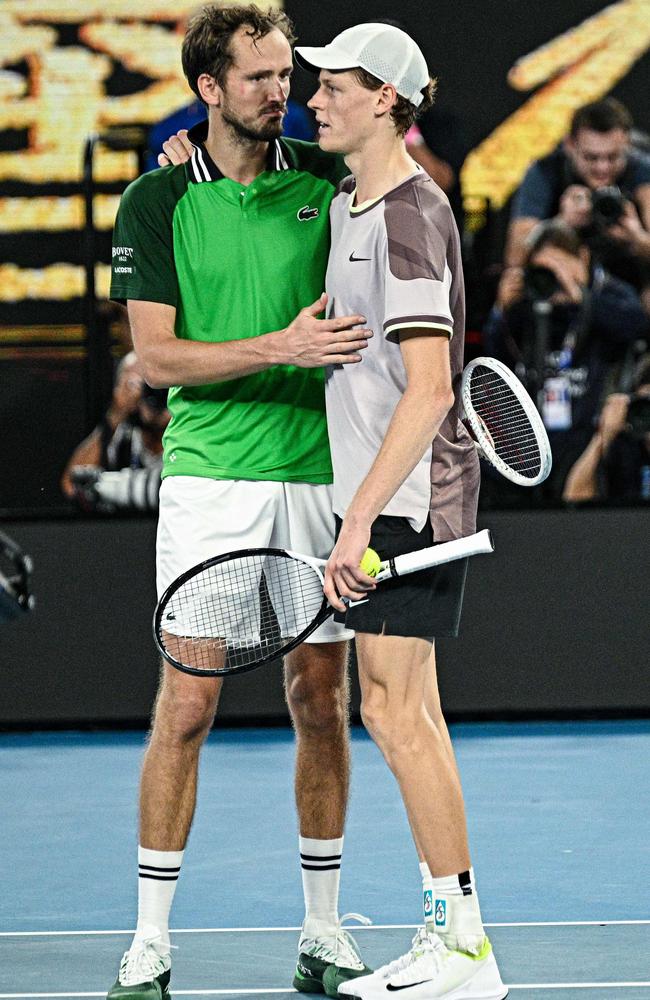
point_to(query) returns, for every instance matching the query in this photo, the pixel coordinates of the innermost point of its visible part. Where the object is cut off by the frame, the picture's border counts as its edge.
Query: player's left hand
(343, 575)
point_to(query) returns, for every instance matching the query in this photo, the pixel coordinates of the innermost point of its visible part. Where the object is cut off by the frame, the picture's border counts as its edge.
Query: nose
(279, 90)
(314, 102)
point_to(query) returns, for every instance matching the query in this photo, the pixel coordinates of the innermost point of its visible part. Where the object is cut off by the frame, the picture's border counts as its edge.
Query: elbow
(153, 373)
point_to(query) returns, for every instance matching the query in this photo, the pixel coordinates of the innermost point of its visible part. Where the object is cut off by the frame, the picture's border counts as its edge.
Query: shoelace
(141, 963)
(341, 950)
(423, 943)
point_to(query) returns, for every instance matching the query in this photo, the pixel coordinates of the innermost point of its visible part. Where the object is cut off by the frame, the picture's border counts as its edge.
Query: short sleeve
(143, 246)
(535, 197)
(418, 273)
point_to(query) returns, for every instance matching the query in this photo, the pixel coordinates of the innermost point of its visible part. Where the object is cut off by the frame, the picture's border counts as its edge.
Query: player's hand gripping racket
(505, 423)
(237, 611)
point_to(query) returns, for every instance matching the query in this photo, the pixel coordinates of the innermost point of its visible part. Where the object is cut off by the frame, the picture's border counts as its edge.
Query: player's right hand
(309, 342)
(178, 149)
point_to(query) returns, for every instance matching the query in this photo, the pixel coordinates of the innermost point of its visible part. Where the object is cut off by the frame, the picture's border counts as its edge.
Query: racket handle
(472, 545)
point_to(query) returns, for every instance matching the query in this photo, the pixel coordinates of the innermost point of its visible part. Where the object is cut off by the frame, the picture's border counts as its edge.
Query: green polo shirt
(236, 262)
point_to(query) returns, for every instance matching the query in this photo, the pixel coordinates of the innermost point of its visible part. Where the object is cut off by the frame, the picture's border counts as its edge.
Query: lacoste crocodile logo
(306, 213)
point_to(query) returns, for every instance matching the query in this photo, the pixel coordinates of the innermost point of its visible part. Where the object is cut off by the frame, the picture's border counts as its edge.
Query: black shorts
(423, 605)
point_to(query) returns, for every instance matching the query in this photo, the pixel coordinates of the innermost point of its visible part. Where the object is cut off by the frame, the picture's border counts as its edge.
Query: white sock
(320, 861)
(158, 873)
(451, 910)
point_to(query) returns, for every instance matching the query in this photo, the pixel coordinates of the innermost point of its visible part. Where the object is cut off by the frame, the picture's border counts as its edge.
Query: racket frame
(484, 440)
(321, 616)
(411, 562)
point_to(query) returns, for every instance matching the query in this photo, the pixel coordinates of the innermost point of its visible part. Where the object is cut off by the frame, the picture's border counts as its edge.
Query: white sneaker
(429, 971)
(144, 967)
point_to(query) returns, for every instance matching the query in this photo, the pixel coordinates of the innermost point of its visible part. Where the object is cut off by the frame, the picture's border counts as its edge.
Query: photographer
(562, 324)
(118, 465)
(616, 463)
(596, 183)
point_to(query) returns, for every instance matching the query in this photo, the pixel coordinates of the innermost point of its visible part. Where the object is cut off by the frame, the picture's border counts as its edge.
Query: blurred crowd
(570, 315)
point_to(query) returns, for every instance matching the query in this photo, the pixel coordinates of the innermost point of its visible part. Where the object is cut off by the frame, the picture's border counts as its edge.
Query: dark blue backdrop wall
(555, 621)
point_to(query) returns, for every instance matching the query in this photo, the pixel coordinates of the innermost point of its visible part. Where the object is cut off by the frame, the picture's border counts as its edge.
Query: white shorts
(200, 518)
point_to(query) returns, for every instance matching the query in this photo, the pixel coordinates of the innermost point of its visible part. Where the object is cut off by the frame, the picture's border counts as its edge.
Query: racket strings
(506, 421)
(236, 612)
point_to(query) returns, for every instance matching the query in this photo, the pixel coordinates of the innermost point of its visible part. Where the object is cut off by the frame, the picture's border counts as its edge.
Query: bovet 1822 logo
(122, 256)
(305, 213)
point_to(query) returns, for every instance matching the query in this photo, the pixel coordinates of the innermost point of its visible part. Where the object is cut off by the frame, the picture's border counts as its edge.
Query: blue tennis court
(558, 816)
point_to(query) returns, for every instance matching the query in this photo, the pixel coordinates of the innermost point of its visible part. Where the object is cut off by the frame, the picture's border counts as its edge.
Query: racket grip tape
(472, 545)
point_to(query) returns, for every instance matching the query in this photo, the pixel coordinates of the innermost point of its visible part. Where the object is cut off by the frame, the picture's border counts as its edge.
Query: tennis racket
(505, 423)
(236, 611)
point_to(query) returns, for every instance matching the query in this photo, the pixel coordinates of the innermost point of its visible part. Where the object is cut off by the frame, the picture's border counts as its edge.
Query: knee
(185, 717)
(396, 734)
(316, 707)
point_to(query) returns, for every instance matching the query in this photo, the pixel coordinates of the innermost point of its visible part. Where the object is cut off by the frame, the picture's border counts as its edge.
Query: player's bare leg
(393, 673)
(450, 955)
(183, 714)
(317, 693)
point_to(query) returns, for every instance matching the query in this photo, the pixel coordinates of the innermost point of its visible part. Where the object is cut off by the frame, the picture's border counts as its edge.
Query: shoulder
(420, 229)
(421, 204)
(308, 156)
(639, 166)
(163, 186)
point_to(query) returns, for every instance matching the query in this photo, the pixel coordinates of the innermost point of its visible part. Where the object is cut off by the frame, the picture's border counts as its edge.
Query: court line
(371, 927)
(251, 992)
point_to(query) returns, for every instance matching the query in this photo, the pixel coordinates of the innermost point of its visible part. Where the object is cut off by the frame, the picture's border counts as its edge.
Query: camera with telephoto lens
(638, 417)
(540, 283)
(108, 492)
(607, 206)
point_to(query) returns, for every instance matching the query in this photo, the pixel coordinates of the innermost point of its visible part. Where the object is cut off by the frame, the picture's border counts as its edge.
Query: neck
(237, 158)
(379, 165)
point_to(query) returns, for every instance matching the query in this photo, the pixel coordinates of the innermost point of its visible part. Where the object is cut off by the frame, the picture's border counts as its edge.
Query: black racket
(237, 611)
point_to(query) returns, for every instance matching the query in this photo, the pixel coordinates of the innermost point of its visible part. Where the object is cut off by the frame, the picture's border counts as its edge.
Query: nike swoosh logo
(354, 259)
(407, 986)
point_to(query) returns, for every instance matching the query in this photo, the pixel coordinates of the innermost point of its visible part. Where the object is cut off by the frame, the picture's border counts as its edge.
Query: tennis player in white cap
(405, 476)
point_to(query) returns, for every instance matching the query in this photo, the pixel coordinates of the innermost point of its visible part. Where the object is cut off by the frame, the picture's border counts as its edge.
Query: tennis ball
(370, 563)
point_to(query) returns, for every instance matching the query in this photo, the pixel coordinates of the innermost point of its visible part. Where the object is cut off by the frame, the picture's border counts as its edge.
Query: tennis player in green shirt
(215, 260)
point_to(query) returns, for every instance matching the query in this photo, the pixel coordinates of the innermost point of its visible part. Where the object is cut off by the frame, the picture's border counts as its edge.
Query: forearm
(193, 362)
(415, 422)
(582, 481)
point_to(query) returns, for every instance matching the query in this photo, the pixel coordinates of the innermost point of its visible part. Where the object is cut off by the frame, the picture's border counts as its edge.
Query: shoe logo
(303, 970)
(441, 912)
(355, 259)
(305, 213)
(428, 903)
(406, 986)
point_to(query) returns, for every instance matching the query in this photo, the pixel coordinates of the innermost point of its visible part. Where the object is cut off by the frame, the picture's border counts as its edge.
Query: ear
(385, 99)
(210, 91)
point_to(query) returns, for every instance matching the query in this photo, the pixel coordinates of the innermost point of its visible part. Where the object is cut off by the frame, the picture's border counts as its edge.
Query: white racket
(237, 611)
(505, 423)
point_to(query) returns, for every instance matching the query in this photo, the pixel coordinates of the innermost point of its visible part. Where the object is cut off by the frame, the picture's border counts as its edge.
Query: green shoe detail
(483, 953)
(309, 973)
(156, 989)
(333, 977)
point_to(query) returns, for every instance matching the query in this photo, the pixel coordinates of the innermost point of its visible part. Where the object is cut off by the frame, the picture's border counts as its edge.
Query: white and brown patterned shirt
(397, 262)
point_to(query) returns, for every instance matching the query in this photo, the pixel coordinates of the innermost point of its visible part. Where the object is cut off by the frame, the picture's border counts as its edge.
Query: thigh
(394, 670)
(307, 526)
(200, 518)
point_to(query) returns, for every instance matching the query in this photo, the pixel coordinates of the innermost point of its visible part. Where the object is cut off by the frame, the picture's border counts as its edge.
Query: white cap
(383, 50)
